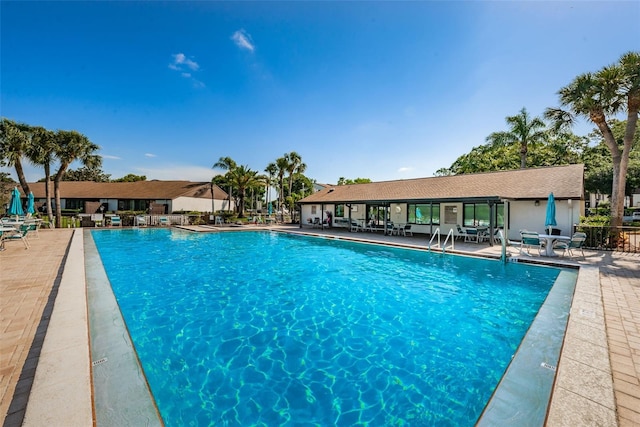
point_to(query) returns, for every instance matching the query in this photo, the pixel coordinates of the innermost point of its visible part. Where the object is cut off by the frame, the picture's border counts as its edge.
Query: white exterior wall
(521, 215)
(525, 215)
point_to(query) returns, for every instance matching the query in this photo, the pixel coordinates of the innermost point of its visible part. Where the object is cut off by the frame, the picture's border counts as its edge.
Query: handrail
(436, 233)
(449, 234)
(439, 245)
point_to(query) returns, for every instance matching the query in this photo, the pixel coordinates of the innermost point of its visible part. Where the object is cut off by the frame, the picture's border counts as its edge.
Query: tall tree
(42, 152)
(599, 168)
(600, 97)
(282, 163)
(523, 131)
(130, 178)
(15, 140)
(227, 164)
(271, 170)
(6, 184)
(86, 173)
(348, 181)
(72, 146)
(243, 178)
(294, 167)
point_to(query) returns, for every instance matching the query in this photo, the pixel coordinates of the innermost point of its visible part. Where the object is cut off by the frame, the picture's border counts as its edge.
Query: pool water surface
(265, 328)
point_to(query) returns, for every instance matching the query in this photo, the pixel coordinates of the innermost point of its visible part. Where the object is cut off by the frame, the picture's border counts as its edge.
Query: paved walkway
(29, 280)
(28, 288)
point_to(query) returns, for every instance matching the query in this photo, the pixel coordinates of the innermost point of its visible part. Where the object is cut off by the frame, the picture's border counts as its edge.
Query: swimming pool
(259, 328)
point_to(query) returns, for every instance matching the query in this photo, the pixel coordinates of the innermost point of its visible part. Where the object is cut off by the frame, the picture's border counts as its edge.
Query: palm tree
(282, 164)
(272, 170)
(71, 146)
(242, 179)
(523, 131)
(14, 143)
(599, 97)
(226, 164)
(41, 152)
(295, 167)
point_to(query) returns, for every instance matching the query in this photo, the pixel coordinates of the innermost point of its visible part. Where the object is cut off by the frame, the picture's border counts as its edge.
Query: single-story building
(512, 200)
(162, 197)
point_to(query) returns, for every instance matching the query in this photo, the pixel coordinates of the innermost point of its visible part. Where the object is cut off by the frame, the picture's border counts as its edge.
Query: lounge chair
(141, 221)
(530, 239)
(164, 221)
(316, 222)
(116, 221)
(576, 242)
(355, 226)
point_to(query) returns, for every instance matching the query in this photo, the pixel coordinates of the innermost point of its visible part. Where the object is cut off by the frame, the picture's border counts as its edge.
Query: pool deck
(45, 362)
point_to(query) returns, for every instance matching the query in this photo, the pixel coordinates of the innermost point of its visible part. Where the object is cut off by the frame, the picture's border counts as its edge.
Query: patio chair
(500, 237)
(20, 234)
(316, 222)
(116, 221)
(355, 226)
(576, 242)
(369, 226)
(141, 221)
(33, 226)
(461, 232)
(471, 235)
(406, 230)
(530, 239)
(164, 221)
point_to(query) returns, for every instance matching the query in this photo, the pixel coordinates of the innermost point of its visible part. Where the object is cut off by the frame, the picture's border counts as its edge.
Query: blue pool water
(261, 328)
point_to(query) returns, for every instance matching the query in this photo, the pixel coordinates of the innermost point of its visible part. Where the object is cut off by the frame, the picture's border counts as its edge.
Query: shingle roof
(566, 182)
(169, 190)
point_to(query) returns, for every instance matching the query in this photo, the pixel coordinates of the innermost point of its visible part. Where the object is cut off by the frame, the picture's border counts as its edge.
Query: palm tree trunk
(21, 177)
(523, 156)
(47, 190)
(619, 178)
(56, 191)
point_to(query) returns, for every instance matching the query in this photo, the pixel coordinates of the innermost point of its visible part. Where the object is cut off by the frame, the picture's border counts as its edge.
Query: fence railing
(608, 238)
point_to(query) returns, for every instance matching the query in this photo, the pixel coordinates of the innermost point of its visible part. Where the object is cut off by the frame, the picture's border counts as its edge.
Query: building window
(313, 209)
(339, 211)
(378, 214)
(477, 215)
(424, 213)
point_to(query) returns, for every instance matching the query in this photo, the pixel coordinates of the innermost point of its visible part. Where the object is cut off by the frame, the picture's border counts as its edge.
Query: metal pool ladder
(437, 245)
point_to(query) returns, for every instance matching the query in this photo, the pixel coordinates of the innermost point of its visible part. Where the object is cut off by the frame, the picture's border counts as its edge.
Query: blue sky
(382, 90)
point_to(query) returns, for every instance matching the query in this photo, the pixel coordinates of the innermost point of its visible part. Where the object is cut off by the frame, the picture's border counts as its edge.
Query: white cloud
(107, 156)
(180, 61)
(149, 155)
(405, 169)
(243, 40)
(185, 67)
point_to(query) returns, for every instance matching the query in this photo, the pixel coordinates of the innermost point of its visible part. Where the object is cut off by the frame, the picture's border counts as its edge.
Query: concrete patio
(45, 363)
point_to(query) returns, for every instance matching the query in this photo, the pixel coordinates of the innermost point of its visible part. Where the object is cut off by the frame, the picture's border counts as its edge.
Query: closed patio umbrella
(550, 220)
(15, 206)
(30, 209)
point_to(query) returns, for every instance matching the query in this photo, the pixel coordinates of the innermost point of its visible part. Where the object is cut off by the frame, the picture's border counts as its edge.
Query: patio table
(549, 241)
(5, 229)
